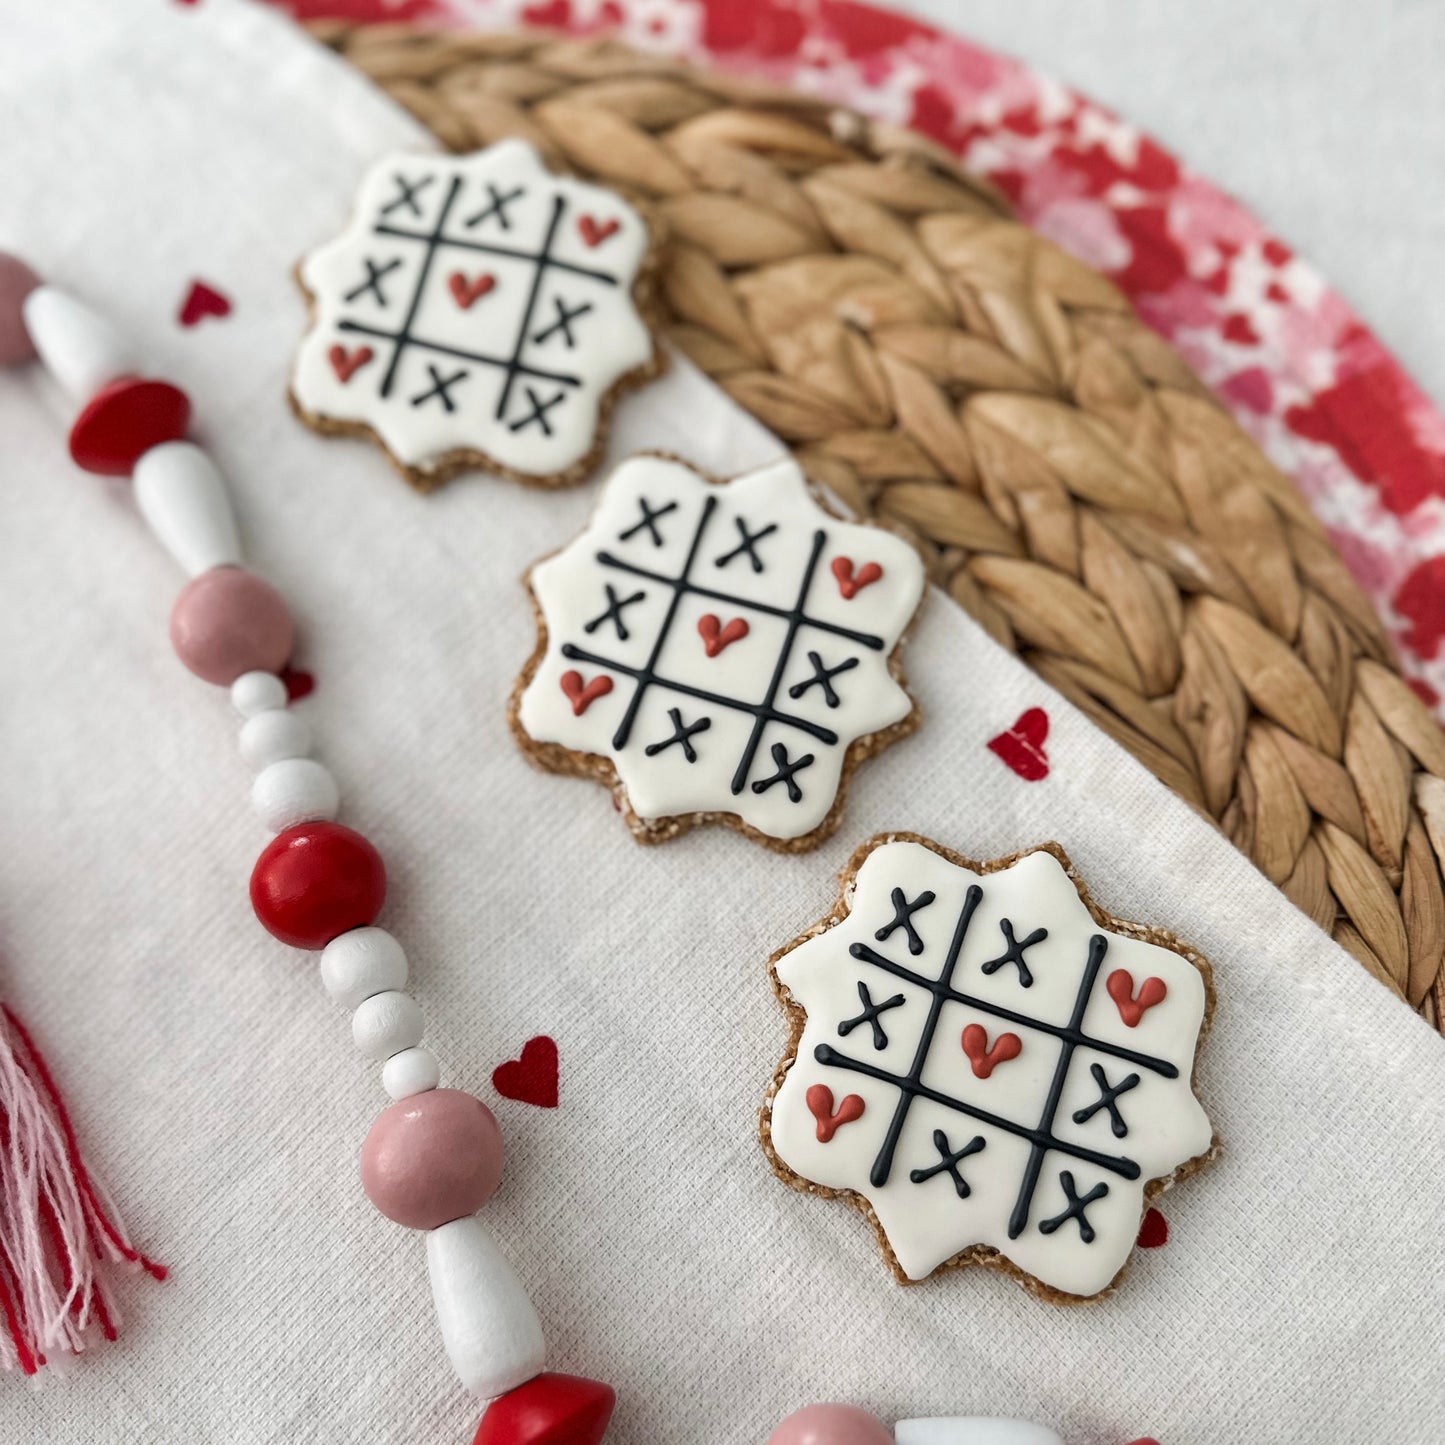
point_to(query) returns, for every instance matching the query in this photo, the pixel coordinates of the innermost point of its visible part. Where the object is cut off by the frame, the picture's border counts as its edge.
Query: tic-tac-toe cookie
(719, 652)
(477, 311)
(990, 1067)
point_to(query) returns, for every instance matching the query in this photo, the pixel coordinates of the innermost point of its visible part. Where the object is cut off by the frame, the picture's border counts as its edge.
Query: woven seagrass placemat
(1071, 484)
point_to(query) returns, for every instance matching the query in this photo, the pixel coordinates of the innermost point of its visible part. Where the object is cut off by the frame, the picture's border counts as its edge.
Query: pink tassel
(59, 1238)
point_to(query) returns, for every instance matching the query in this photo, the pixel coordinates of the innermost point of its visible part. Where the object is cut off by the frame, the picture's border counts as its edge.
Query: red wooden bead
(315, 882)
(549, 1410)
(124, 420)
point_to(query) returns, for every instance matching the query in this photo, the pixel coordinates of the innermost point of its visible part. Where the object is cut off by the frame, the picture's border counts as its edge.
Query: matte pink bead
(831, 1425)
(17, 281)
(226, 622)
(432, 1158)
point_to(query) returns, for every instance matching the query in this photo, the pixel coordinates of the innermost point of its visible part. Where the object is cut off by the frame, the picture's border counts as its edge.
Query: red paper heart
(347, 363)
(532, 1079)
(549, 1410)
(299, 683)
(1154, 1231)
(201, 301)
(1022, 746)
(123, 421)
(850, 583)
(819, 1099)
(583, 697)
(595, 232)
(715, 637)
(984, 1059)
(464, 292)
(1132, 1007)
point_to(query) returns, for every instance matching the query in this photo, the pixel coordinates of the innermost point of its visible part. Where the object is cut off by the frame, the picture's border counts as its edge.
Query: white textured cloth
(1300, 1295)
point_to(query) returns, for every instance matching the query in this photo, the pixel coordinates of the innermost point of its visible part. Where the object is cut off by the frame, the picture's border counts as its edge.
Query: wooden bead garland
(294, 790)
(385, 1024)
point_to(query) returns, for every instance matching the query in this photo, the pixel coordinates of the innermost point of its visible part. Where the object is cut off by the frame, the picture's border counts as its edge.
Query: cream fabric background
(1300, 1295)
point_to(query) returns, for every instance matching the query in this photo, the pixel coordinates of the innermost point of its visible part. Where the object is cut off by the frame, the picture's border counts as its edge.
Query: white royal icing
(916, 1200)
(764, 705)
(532, 350)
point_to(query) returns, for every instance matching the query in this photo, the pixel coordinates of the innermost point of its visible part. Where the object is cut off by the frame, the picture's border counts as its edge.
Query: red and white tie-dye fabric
(1299, 370)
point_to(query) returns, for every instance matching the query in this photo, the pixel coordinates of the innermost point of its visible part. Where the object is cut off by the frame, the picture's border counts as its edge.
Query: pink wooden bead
(432, 1158)
(227, 622)
(17, 281)
(831, 1425)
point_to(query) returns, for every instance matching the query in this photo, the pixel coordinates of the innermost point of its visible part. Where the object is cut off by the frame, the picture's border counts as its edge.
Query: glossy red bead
(315, 882)
(124, 420)
(549, 1410)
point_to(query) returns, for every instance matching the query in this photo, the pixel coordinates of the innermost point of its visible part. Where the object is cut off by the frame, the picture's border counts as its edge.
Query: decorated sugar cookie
(719, 652)
(477, 311)
(996, 1071)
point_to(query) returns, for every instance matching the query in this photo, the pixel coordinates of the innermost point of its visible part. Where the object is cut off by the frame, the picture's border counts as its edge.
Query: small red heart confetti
(1154, 1231)
(465, 292)
(1237, 328)
(531, 1079)
(123, 421)
(583, 697)
(202, 301)
(1132, 1007)
(851, 583)
(299, 683)
(820, 1105)
(595, 232)
(716, 637)
(347, 363)
(984, 1059)
(1022, 746)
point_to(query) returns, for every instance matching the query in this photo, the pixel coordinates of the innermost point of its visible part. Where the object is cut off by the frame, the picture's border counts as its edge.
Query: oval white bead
(292, 791)
(256, 692)
(972, 1430)
(412, 1071)
(386, 1023)
(183, 498)
(363, 962)
(490, 1329)
(79, 347)
(274, 736)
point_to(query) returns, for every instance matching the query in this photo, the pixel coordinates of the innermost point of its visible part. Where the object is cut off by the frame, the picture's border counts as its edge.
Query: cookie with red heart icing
(478, 311)
(719, 652)
(991, 1067)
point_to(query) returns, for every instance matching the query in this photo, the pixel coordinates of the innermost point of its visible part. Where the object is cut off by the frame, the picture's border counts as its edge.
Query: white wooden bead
(80, 348)
(183, 498)
(255, 692)
(363, 962)
(386, 1023)
(491, 1331)
(412, 1071)
(272, 737)
(292, 791)
(972, 1430)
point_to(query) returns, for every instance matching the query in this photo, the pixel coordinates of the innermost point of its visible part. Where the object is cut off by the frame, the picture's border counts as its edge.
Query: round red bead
(315, 882)
(549, 1410)
(124, 420)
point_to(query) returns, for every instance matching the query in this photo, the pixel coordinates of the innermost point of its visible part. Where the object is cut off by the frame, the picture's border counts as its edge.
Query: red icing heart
(851, 583)
(595, 232)
(1154, 1231)
(123, 421)
(532, 1079)
(1022, 746)
(985, 1059)
(299, 684)
(201, 301)
(347, 363)
(820, 1105)
(549, 1410)
(583, 697)
(1132, 1007)
(464, 292)
(716, 637)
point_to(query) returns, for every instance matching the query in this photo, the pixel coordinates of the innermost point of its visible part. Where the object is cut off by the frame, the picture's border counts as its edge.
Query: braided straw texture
(1070, 482)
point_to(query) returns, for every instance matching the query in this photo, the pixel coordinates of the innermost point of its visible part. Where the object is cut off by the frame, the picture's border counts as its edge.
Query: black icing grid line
(436, 239)
(763, 712)
(1070, 1036)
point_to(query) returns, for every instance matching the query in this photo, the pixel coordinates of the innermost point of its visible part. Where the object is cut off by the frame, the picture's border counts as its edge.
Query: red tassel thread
(58, 1230)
